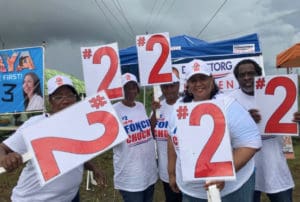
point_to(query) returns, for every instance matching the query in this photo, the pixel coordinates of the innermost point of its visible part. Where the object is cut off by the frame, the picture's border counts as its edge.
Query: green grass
(8, 181)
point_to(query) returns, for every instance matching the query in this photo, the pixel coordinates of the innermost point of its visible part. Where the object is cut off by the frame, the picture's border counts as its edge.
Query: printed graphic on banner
(101, 70)
(205, 151)
(59, 148)
(281, 95)
(22, 80)
(154, 57)
(222, 71)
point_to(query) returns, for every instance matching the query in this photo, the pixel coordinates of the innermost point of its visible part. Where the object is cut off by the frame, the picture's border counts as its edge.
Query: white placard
(154, 57)
(101, 70)
(205, 149)
(73, 136)
(277, 100)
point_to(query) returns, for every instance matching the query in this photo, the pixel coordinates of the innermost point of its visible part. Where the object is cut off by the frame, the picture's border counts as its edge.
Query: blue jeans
(244, 193)
(140, 196)
(170, 195)
(284, 196)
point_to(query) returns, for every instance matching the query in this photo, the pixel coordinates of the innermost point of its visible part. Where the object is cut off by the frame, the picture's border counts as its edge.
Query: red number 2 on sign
(112, 70)
(44, 147)
(273, 125)
(155, 76)
(204, 166)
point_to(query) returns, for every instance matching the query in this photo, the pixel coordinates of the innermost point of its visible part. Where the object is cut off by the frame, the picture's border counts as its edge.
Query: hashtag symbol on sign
(182, 112)
(260, 83)
(87, 53)
(141, 41)
(98, 101)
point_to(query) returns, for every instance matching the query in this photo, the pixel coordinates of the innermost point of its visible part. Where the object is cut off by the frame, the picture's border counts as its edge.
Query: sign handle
(213, 194)
(90, 180)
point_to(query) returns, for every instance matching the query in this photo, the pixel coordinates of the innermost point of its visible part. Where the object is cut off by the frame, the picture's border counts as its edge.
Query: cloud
(70, 24)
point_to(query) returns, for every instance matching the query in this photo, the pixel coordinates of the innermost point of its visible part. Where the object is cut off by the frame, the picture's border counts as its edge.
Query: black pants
(170, 195)
(76, 198)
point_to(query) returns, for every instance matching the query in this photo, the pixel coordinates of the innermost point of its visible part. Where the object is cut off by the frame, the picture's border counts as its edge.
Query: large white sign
(154, 57)
(277, 100)
(205, 149)
(101, 70)
(73, 136)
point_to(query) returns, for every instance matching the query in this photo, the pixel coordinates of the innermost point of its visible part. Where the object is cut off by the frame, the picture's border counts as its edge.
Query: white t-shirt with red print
(135, 167)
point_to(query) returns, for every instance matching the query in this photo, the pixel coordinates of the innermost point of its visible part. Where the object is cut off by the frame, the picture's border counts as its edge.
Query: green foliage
(79, 84)
(145, 97)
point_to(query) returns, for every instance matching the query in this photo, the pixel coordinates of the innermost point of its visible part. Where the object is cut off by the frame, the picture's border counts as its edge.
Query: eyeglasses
(60, 98)
(249, 74)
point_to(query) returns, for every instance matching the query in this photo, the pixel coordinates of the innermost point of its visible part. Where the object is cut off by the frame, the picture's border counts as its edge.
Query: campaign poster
(222, 71)
(22, 80)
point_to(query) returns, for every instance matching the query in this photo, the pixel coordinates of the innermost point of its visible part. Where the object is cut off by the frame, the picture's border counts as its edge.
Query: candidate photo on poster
(33, 98)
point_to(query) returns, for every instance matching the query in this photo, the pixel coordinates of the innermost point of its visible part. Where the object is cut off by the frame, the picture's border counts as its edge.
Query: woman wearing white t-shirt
(245, 141)
(135, 169)
(159, 124)
(62, 94)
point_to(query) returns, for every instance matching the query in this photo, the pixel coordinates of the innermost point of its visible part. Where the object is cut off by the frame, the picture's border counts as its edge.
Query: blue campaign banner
(22, 80)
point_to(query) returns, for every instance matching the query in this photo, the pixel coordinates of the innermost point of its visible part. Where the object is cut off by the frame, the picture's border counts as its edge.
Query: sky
(67, 25)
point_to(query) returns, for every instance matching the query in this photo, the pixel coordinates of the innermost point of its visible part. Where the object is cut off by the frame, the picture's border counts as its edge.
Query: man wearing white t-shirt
(272, 172)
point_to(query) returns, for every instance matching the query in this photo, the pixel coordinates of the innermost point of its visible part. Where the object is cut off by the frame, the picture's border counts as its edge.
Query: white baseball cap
(57, 81)
(197, 67)
(175, 79)
(128, 77)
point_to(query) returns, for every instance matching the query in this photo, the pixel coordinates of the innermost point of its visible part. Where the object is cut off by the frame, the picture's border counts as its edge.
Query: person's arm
(242, 155)
(98, 173)
(255, 115)
(296, 117)
(9, 159)
(153, 122)
(155, 105)
(172, 166)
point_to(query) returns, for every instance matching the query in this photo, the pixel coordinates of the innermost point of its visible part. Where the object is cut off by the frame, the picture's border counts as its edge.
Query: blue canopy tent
(185, 48)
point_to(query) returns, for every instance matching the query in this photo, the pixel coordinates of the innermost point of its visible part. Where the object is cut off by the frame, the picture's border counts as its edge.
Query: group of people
(152, 149)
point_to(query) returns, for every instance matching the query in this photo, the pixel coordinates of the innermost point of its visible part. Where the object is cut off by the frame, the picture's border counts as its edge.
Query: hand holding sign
(58, 148)
(154, 56)
(25, 157)
(280, 92)
(211, 157)
(101, 66)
